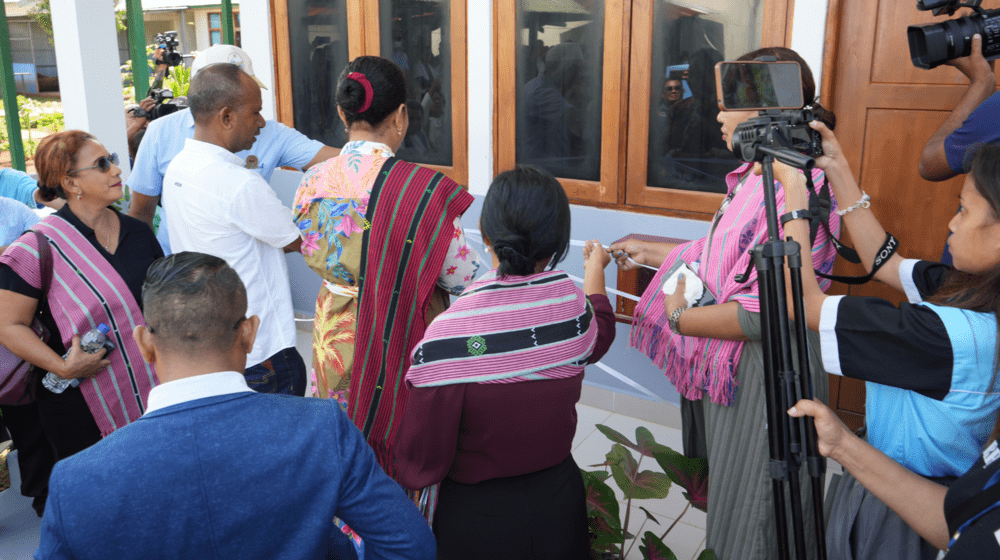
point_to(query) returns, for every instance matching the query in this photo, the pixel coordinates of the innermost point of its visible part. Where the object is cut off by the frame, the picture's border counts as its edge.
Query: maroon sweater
(471, 432)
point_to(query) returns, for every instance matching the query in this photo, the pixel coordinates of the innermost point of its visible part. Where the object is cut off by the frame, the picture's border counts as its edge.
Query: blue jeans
(284, 373)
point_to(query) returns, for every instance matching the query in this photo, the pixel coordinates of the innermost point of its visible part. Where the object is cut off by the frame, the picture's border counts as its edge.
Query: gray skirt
(861, 527)
(740, 524)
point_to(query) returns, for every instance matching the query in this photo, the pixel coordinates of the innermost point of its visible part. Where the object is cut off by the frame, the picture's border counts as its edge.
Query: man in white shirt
(276, 146)
(218, 206)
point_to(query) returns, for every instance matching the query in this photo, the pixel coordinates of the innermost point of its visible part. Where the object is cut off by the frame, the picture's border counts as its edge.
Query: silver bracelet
(863, 202)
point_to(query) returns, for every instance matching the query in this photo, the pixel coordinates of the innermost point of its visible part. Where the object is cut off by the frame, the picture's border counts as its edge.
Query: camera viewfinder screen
(749, 86)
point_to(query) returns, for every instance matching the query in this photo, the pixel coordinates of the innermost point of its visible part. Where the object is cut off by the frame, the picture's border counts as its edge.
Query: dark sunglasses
(671, 88)
(103, 163)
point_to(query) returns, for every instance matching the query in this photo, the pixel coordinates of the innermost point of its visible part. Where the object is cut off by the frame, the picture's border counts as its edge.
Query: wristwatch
(675, 316)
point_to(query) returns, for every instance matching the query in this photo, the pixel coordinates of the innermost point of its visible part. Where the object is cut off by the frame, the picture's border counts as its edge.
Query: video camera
(782, 129)
(933, 44)
(166, 104)
(168, 42)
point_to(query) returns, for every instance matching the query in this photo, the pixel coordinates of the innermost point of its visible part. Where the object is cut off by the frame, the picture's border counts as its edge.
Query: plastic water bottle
(91, 342)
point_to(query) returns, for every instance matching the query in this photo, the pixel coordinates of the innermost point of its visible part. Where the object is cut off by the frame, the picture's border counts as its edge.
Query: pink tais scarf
(697, 364)
(86, 291)
(508, 330)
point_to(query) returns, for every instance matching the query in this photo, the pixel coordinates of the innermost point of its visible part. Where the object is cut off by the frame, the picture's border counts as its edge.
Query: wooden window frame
(625, 108)
(237, 36)
(363, 38)
(605, 190)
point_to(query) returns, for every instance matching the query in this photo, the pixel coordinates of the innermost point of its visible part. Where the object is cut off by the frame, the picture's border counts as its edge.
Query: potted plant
(609, 535)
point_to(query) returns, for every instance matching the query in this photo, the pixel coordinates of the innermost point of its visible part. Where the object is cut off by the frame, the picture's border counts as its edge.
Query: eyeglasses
(673, 88)
(103, 163)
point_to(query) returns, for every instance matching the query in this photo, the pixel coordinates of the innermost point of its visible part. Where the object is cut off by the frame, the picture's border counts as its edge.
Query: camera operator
(714, 355)
(277, 146)
(930, 365)
(972, 122)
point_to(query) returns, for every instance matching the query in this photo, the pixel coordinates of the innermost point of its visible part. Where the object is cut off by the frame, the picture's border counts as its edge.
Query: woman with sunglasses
(98, 263)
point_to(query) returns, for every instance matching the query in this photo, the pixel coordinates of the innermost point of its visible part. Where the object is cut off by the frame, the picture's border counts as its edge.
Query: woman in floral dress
(367, 215)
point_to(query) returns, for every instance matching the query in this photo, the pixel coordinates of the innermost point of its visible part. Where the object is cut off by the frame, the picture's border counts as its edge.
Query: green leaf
(636, 485)
(690, 474)
(646, 444)
(649, 515)
(706, 555)
(652, 548)
(602, 506)
(616, 437)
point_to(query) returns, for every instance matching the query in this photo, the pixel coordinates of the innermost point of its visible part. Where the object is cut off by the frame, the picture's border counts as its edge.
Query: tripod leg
(775, 427)
(816, 463)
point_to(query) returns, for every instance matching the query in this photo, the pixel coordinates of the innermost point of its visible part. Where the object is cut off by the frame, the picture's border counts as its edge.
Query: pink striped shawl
(696, 364)
(86, 291)
(518, 328)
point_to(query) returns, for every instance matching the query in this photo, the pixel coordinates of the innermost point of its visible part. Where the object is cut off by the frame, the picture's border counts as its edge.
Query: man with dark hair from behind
(213, 469)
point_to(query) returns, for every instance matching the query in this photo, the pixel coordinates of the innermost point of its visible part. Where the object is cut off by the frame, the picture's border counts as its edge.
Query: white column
(255, 26)
(86, 42)
(480, 83)
(808, 36)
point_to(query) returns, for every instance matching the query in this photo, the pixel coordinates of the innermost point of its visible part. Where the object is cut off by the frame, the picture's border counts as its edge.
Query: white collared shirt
(218, 207)
(197, 387)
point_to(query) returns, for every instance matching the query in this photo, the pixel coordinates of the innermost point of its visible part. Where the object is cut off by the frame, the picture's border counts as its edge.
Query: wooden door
(887, 109)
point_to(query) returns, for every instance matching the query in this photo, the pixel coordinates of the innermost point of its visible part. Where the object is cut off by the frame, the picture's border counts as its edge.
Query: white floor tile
(587, 417)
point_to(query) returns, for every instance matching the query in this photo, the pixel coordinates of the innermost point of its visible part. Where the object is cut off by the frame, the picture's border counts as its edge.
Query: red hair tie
(369, 92)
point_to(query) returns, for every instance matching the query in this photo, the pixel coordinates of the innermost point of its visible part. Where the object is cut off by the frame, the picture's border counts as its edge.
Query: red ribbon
(369, 92)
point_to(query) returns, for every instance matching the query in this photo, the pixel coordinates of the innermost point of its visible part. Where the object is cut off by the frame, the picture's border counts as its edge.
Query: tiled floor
(687, 538)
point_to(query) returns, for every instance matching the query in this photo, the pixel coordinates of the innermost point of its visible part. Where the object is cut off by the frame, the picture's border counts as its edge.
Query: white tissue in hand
(693, 286)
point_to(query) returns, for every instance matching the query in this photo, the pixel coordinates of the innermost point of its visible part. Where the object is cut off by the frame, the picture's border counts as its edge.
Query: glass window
(560, 55)
(415, 34)
(686, 150)
(215, 29)
(318, 48)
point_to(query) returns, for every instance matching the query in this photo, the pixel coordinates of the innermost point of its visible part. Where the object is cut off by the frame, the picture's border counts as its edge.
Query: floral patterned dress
(330, 207)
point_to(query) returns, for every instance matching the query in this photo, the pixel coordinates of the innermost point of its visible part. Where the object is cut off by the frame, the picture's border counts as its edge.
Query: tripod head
(783, 135)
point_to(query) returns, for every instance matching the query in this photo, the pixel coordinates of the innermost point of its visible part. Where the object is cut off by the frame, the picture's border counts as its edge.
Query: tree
(43, 16)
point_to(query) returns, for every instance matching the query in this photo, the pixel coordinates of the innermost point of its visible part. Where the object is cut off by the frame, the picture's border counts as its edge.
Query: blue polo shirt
(15, 219)
(982, 127)
(277, 145)
(19, 186)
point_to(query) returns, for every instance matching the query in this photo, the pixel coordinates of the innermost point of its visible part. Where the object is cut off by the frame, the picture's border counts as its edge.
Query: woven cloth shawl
(694, 364)
(508, 330)
(411, 212)
(85, 292)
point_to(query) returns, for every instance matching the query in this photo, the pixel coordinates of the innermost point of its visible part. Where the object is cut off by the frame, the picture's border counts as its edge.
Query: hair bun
(824, 115)
(512, 262)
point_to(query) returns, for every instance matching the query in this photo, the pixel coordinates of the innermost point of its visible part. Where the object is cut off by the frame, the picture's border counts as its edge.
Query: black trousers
(541, 515)
(67, 420)
(34, 452)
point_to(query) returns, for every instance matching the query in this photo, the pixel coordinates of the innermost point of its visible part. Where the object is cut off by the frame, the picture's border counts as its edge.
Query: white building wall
(255, 21)
(94, 102)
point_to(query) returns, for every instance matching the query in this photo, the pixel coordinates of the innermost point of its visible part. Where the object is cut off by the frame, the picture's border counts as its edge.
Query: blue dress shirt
(15, 219)
(19, 186)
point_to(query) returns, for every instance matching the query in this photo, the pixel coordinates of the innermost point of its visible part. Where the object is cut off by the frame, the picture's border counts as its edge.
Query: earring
(486, 248)
(79, 196)
(400, 131)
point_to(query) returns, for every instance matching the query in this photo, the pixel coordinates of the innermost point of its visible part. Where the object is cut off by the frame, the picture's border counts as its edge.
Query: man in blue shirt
(277, 146)
(973, 122)
(213, 469)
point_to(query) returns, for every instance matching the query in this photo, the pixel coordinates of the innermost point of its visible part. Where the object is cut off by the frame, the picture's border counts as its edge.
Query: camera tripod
(791, 441)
